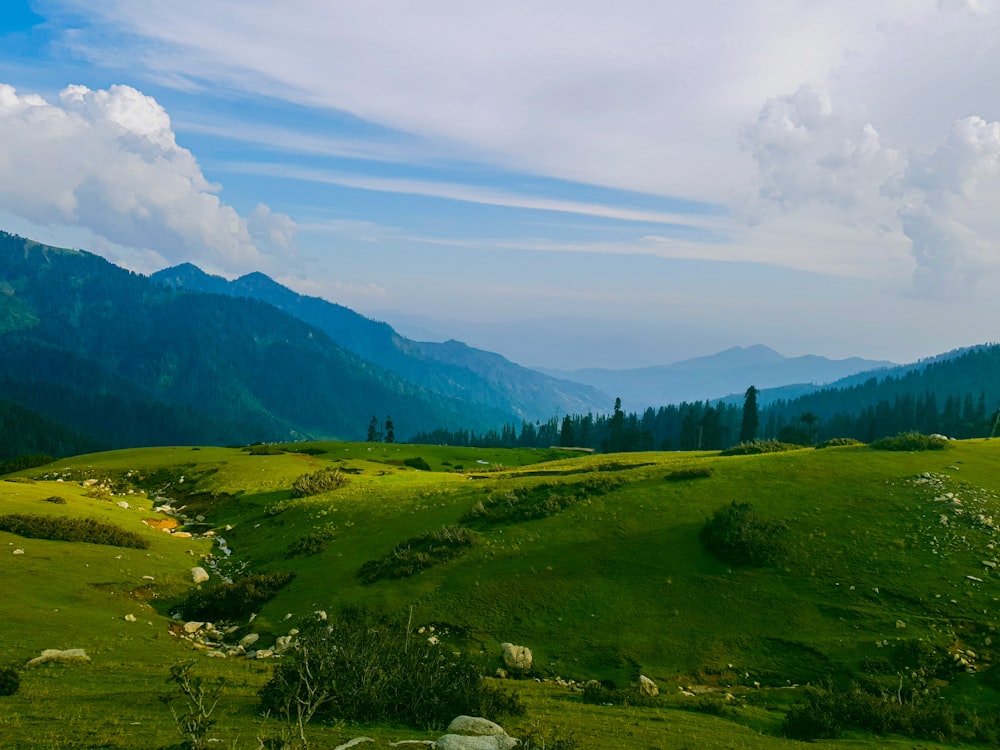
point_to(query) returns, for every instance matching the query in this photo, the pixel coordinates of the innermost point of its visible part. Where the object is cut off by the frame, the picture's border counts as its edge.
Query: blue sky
(609, 184)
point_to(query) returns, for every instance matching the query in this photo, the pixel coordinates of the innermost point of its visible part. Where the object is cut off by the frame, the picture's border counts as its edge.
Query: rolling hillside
(887, 577)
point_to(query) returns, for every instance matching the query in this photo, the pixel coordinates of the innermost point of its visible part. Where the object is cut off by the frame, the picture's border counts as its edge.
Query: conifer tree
(390, 435)
(373, 431)
(751, 416)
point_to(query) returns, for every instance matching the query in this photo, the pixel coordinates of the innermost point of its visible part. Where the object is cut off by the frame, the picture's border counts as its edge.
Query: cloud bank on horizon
(854, 140)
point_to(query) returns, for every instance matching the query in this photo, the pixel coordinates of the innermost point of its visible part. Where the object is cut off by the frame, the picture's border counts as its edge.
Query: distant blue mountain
(719, 375)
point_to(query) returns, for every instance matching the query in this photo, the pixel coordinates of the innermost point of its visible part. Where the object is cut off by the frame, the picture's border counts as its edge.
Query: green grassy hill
(594, 562)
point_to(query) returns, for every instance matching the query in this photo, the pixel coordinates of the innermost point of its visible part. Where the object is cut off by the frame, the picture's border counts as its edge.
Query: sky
(570, 184)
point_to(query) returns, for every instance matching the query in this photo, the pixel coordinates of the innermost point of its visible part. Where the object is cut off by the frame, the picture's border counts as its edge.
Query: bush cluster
(690, 472)
(367, 667)
(419, 553)
(323, 480)
(836, 442)
(62, 529)
(830, 711)
(233, 601)
(10, 681)
(56, 499)
(608, 694)
(417, 463)
(311, 544)
(754, 447)
(737, 535)
(540, 501)
(911, 441)
(264, 449)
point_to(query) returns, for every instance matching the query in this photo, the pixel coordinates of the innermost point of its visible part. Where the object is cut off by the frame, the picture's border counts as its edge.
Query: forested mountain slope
(128, 361)
(451, 369)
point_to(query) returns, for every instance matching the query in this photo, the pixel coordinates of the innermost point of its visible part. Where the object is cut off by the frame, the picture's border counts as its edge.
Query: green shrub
(417, 463)
(367, 668)
(690, 472)
(311, 544)
(837, 442)
(56, 499)
(911, 441)
(754, 447)
(233, 601)
(737, 535)
(10, 681)
(419, 553)
(829, 711)
(606, 694)
(324, 480)
(61, 529)
(263, 449)
(540, 501)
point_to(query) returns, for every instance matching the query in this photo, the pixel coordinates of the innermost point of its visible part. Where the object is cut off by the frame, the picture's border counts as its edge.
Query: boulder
(198, 574)
(648, 687)
(474, 725)
(67, 656)
(516, 658)
(249, 639)
(193, 626)
(475, 742)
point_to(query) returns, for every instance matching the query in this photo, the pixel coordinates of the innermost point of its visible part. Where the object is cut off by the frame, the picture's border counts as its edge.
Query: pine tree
(751, 416)
(390, 435)
(373, 430)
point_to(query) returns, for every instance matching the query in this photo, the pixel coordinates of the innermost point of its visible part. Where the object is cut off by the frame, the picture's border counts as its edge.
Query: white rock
(198, 573)
(129, 618)
(249, 639)
(473, 725)
(19, 551)
(193, 627)
(122, 504)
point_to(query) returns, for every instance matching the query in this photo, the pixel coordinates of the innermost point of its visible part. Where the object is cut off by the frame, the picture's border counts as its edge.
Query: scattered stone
(19, 551)
(516, 658)
(249, 639)
(973, 578)
(67, 656)
(900, 624)
(264, 653)
(193, 627)
(130, 618)
(181, 534)
(198, 573)
(122, 504)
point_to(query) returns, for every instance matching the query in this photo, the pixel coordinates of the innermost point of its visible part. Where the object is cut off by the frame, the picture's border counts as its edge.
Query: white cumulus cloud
(108, 161)
(941, 199)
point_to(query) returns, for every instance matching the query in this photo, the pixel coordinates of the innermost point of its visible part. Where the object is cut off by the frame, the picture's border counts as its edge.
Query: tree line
(957, 397)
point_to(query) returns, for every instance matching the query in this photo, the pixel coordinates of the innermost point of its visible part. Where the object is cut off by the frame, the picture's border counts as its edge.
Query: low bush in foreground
(911, 441)
(61, 529)
(419, 553)
(755, 447)
(830, 711)
(737, 535)
(236, 600)
(366, 667)
(324, 480)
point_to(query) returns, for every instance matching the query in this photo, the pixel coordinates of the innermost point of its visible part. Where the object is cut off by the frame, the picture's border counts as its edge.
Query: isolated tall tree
(390, 435)
(809, 419)
(373, 430)
(751, 416)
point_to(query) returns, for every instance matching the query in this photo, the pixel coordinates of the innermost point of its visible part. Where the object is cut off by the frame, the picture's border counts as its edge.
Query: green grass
(614, 585)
